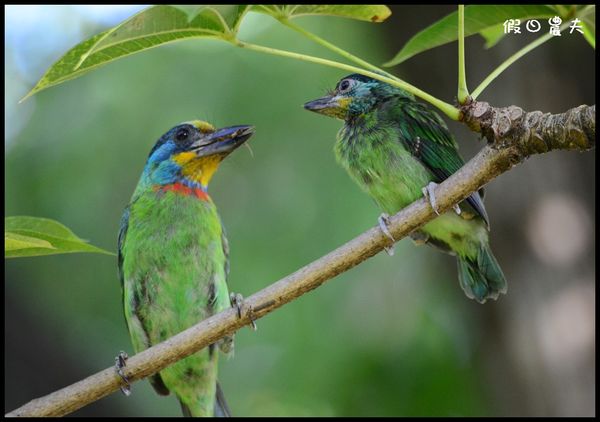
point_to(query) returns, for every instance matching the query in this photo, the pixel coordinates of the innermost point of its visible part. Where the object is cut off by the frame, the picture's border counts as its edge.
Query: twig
(463, 92)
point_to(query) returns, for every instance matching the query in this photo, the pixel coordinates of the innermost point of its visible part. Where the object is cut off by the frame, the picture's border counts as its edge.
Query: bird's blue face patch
(160, 169)
(362, 97)
(176, 140)
(162, 151)
(365, 93)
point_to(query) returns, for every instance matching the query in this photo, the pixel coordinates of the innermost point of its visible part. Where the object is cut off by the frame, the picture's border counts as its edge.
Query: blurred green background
(393, 336)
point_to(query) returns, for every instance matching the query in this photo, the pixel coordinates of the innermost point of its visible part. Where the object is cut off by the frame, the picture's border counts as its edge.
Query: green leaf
(588, 24)
(149, 28)
(477, 19)
(562, 10)
(492, 35)
(364, 12)
(32, 236)
(589, 34)
(13, 241)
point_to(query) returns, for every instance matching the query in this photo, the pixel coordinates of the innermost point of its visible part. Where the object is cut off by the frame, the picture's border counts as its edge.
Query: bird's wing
(155, 380)
(120, 242)
(426, 136)
(225, 243)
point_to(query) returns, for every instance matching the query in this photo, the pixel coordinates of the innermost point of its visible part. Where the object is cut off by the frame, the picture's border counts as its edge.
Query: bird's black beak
(330, 105)
(223, 141)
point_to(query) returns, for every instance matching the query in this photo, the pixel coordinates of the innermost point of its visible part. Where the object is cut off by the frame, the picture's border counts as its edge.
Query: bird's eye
(344, 86)
(182, 134)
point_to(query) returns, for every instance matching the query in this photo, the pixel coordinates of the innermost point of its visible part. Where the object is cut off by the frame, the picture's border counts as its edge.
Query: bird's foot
(419, 237)
(384, 221)
(457, 209)
(226, 345)
(428, 192)
(120, 363)
(237, 302)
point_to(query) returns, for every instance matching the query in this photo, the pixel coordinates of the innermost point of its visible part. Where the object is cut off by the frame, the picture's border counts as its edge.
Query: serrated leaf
(364, 12)
(152, 27)
(33, 236)
(477, 19)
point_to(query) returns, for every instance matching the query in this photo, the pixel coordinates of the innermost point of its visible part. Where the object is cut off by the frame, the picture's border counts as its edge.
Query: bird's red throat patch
(182, 189)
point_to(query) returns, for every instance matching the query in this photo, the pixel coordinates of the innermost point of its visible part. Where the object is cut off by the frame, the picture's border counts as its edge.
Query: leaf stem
(334, 47)
(448, 109)
(463, 92)
(511, 60)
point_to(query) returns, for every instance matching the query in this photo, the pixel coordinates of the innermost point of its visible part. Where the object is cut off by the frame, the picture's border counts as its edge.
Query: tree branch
(532, 132)
(513, 135)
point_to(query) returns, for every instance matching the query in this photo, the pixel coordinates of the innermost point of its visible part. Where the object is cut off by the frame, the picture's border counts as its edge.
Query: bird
(173, 257)
(397, 150)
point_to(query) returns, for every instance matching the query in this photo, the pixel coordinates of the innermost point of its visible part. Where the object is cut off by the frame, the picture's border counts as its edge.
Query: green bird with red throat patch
(173, 257)
(397, 150)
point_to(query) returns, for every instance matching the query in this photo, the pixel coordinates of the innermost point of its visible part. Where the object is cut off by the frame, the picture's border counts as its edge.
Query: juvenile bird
(396, 149)
(173, 257)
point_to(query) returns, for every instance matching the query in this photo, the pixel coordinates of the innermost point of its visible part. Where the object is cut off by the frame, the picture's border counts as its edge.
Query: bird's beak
(222, 141)
(330, 105)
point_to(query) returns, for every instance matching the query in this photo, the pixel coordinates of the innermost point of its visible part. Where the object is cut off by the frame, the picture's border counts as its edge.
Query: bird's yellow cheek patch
(201, 169)
(344, 103)
(340, 110)
(184, 157)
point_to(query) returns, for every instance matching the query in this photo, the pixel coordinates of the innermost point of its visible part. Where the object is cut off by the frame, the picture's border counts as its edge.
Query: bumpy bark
(532, 132)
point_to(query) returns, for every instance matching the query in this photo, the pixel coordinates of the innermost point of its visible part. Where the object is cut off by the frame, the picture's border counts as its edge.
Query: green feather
(174, 276)
(393, 146)
(173, 257)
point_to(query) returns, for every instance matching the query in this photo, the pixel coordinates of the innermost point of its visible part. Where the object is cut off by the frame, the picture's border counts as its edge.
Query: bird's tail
(481, 278)
(221, 407)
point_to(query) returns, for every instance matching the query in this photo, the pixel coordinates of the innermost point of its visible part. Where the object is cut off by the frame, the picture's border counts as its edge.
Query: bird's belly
(396, 179)
(394, 182)
(174, 269)
(462, 236)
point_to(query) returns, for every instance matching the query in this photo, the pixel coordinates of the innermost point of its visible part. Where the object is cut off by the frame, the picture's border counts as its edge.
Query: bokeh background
(393, 336)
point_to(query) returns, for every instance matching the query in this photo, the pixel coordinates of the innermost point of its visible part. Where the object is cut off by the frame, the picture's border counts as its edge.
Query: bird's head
(191, 152)
(353, 96)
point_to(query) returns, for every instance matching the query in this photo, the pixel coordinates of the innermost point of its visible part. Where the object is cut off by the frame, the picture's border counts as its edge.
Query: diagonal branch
(513, 134)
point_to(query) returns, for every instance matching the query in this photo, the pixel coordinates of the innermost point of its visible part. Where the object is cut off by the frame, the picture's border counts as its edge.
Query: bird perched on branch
(397, 149)
(173, 257)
